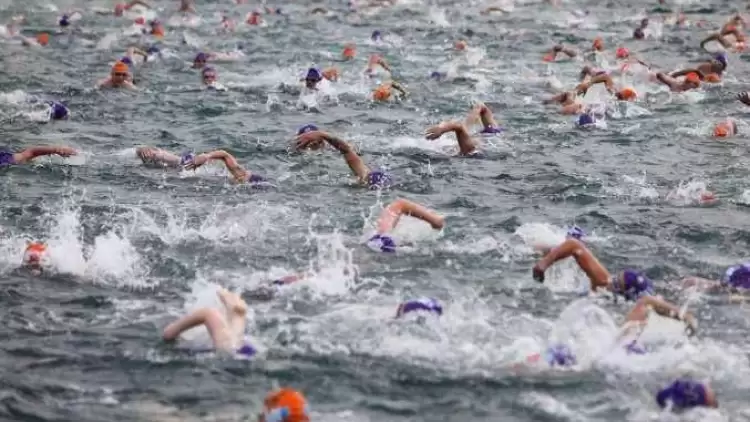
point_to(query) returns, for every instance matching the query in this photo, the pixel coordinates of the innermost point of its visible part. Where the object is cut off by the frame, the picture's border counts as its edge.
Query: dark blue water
(134, 247)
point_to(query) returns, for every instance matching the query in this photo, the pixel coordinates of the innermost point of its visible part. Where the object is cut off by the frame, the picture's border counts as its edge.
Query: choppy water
(136, 247)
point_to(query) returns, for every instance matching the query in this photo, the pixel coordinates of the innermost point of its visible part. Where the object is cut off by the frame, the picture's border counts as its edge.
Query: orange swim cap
(712, 77)
(622, 53)
(349, 52)
(693, 77)
(627, 94)
(598, 44)
(157, 31)
(724, 129)
(42, 38)
(293, 401)
(382, 93)
(34, 252)
(120, 67)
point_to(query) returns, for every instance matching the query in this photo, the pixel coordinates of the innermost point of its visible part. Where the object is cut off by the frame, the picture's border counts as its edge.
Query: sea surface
(132, 248)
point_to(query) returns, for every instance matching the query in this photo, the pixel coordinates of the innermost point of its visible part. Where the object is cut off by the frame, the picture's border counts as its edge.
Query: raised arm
(238, 172)
(598, 79)
(483, 113)
(354, 161)
(391, 214)
(716, 37)
(33, 152)
(466, 145)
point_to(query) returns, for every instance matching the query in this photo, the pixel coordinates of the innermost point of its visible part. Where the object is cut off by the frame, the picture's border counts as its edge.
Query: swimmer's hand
(744, 97)
(65, 151)
(436, 131)
(582, 88)
(312, 140)
(538, 273)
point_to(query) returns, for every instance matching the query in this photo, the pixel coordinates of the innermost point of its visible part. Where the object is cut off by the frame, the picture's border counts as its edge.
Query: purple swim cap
(437, 75)
(186, 158)
(378, 179)
(635, 285)
(424, 304)
(127, 60)
(313, 74)
(307, 128)
(57, 111)
(382, 242)
(575, 232)
(585, 120)
(559, 355)
(376, 35)
(200, 57)
(737, 276)
(208, 70)
(683, 394)
(247, 350)
(492, 129)
(153, 50)
(633, 348)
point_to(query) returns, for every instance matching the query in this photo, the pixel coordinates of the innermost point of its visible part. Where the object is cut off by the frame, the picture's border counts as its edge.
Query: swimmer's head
(585, 120)
(460, 45)
(157, 29)
(140, 20)
(200, 60)
(693, 79)
(633, 284)
(57, 111)
(597, 45)
(725, 128)
(247, 350)
(686, 394)
(284, 405)
(34, 254)
(722, 59)
(350, 50)
(639, 34)
(427, 305)
(438, 76)
(186, 159)
(559, 355)
(575, 232)
(307, 128)
(382, 243)
(378, 179)
(376, 35)
(382, 93)
(626, 94)
(209, 75)
(622, 53)
(119, 72)
(312, 77)
(42, 38)
(64, 21)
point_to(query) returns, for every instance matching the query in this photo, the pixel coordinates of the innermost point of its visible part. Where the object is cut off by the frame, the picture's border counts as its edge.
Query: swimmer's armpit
(33, 152)
(355, 162)
(466, 144)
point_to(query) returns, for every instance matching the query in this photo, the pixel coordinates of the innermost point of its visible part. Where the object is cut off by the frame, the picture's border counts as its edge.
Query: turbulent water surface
(135, 247)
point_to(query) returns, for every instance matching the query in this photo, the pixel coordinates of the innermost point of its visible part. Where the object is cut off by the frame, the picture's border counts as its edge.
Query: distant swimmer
(736, 279)
(626, 93)
(209, 76)
(374, 179)
(386, 90)
(692, 80)
(40, 40)
(9, 158)
(557, 49)
(158, 157)
(227, 329)
(133, 56)
(373, 63)
(382, 240)
(725, 129)
(119, 77)
(640, 32)
(744, 98)
(202, 58)
(285, 405)
(568, 101)
(239, 174)
(57, 110)
(467, 146)
(157, 28)
(34, 257)
(683, 394)
(120, 8)
(723, 39)
(708, 71)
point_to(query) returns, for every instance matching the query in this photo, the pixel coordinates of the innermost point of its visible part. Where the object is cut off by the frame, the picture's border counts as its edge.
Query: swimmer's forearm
(569, 52)
(423, 213)
(33, 152)
(341, 145)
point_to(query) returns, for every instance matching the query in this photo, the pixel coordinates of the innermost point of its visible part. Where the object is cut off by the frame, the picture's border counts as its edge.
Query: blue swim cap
(575, 232)
(636, 285)
(57, 111)
(722, 58)
(307, 128)
(313, 74)
(153, 50)
(247, 350)
(683, 394)
(737, 276)
(378, 179)
(382, 242)
(127, 60)
(376, 35)
(278, 10)
(186, 158)
(585, 120)
(423, 304)
(437, 75)
(64, 20)
(560, 355)
(154, 22)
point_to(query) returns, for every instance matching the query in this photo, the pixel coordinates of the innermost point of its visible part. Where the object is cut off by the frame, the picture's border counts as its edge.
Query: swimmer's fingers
(433, 132)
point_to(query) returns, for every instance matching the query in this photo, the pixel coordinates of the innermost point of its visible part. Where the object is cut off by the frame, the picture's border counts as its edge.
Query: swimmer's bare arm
(354, 161)
(668, 81)
(391, 214)
(598, 79)
(151, 155)
(30, 153)
(595, 271)
(238, 172)
(400, 88)
(744, 97)
(565, 50)
(662, 307)
(716, 37)
(466, 144)
(482, 112)
(381, 61)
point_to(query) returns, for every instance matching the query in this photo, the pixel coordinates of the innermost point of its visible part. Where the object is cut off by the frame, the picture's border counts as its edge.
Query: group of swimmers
(226, 327)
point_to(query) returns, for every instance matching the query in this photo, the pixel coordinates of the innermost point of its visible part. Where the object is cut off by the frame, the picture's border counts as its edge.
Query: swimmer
(744, 98)
(639, 33)
(382, 240)
(153, 156)
(41, 39)
(692, 80)
(9, 158)
(376, 36)
(239, 174)
(33, 257)
(725, 129)
(312, 78)
(120, 8)
(226, 328)
(209, 77)
(254, 18)
(384, 91)
(57, 111)
(568, 100)
(597, 46)
(331, 73)
(157, 28)
(730, 28)
(201, 59)
(371, 178)
(685, 394)
(284, 405)
(467, 146)
(132, 55)
(736, 279)
(119, 77)
(622, 94)
(552, 55)
(349, 51)
(186, 6)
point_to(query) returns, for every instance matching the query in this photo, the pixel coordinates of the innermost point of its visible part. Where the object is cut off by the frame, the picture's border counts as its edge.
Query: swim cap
(254, 178)
(307, 128)
(200, 57)
(186, 158)
(381, 93)
(33, 252)
(64, 21)
(585, 120)
(492, 129)
(382, 242)
(622, 53)
(721, 58)
(693, 77)
(460, 45)
(153, 50)
(140, 20)
(722, 130)
(349, 51)
(423, 304)
(119, 8)
(57, 111)
(378, 179)
(627, 94)
(313, 74)
(635, 285)
(127, 60)
(633, 348)
(247, 350)
(120, 67)
(559, 355)
(683, 394)
(639, 34)
(285, 405)
(376, 35)
(437, 75)
(575, 232)
(737, 276)
(42, 38)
